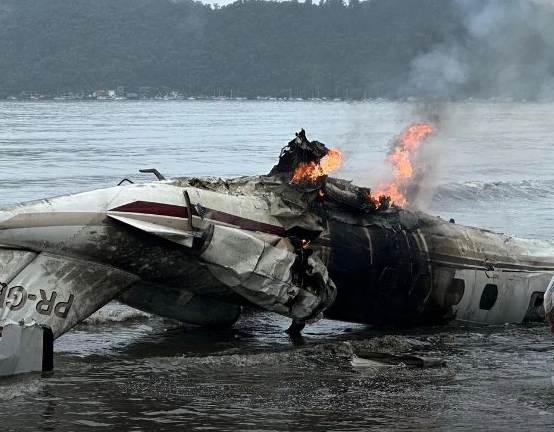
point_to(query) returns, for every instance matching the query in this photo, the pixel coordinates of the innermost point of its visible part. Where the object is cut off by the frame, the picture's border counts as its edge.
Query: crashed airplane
(302, 245)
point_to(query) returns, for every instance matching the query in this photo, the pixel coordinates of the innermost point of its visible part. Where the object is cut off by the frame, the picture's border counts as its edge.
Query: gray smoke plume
(505, 50)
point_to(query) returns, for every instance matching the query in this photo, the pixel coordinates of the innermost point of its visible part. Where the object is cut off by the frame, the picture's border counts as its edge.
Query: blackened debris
(384, 202)
(297, 151)
(344, 193)
(295, 328)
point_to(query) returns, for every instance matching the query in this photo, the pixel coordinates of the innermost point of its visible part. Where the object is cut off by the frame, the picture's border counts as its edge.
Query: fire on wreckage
(295, 242)
(398, 267)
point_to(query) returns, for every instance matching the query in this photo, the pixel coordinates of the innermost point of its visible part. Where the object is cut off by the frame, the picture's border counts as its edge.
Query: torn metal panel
(258, 267)
(266, 275)
(273, 201)
(182, 237)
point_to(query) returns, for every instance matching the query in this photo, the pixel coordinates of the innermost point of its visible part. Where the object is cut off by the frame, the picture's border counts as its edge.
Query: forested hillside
(250, 48)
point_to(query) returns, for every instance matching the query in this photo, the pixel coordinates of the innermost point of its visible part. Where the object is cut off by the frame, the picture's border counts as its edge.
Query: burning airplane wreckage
(295, 242)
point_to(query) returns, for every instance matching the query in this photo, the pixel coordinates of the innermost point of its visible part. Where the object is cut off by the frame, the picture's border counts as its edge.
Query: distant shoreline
(277, 99)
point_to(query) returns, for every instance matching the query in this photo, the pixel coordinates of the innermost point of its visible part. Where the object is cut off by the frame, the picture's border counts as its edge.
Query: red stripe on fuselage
(153, 208)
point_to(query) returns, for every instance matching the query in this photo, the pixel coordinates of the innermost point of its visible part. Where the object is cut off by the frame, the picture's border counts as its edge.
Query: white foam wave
(527, 190)
(332, 354)
(20, 386)
(116, 312)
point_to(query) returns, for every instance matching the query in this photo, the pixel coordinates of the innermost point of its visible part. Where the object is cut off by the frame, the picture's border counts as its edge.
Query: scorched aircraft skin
(197, 249)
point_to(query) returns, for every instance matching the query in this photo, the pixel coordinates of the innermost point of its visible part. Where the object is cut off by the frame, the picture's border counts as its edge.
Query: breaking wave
(475, 191)
(215, 362)
(20, 386)
(116, 312)
(328, 354)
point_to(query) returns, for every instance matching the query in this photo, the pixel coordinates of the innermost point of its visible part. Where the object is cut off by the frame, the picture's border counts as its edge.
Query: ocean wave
(332, 354)
(478, 191)
(116, 312)
(21, 386)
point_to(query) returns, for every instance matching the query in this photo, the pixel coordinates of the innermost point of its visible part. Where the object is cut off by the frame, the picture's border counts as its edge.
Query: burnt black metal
(297, 151)
(393, 266)
(382, 274)
(377, 254)
(370, 288)
(379, 260)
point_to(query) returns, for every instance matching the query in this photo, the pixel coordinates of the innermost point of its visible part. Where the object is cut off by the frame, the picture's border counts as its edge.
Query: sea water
(488, 165)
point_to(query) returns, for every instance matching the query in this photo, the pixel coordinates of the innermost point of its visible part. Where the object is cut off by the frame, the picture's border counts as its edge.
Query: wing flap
(181, 237)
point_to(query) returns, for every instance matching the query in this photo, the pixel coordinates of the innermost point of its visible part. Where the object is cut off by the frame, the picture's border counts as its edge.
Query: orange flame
(400, 158)
(313, 170)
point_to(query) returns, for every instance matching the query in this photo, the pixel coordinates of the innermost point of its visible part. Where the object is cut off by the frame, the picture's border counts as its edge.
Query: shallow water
(125, 370)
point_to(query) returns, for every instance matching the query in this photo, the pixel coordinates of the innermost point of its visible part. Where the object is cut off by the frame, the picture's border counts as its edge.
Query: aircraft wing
(265, 269)
(53, 290)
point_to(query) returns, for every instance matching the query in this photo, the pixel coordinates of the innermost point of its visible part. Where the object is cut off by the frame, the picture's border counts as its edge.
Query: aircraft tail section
(54, 291)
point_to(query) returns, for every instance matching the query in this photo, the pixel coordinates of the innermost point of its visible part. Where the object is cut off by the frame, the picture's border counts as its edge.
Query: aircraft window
(455, 292)
(535, 310)
(489, 296)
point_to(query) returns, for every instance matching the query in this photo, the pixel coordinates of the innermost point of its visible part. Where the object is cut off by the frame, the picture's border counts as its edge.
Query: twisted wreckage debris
(198, 249)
